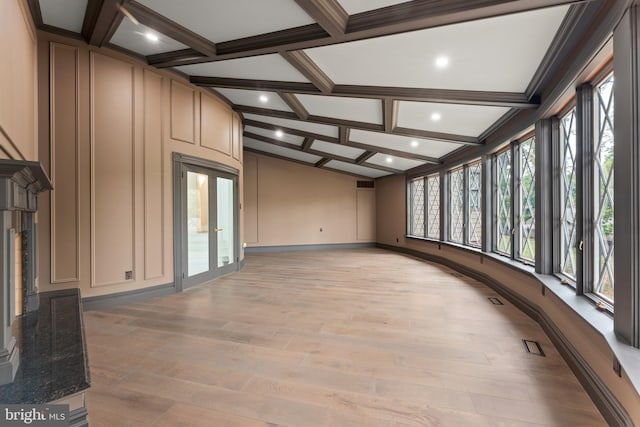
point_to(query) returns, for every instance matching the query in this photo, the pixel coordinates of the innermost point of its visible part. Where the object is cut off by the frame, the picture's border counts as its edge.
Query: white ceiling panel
(357, 169)
(326, 130)
(470, 120)
(497, 54)
(223, 20)
(356, 6)
(357, 109)
(67, 14)
(265, 67)
(254, 98)
(337, 149)
(134, 37)
(281, 151)
(291, 139)
(394, 162)
(425, 147)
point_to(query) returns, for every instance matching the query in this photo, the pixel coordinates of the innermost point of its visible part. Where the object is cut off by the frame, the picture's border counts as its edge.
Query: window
(456, 206)
(603, 282)
(416, 194)
(525, 214)
(502, 243)
(568, 193)
(433, 206)
(474, 205)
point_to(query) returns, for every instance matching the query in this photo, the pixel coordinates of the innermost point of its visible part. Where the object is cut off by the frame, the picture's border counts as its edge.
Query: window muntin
(527, 200)
(474, 204)
(504, 226)
(603, 280)
(433, 206)
(416, 191)
(568, 195)
(456, 206)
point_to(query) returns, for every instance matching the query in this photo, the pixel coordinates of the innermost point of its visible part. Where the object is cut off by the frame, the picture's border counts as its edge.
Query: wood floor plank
(360, 337)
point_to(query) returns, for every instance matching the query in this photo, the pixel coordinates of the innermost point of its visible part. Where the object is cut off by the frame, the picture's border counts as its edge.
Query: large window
(502, 209)
(456, 205)
(424, 207)
(474, 204)
(603, 283)
(416, 194)
(433, 206)
(526, 209)
(568, 193)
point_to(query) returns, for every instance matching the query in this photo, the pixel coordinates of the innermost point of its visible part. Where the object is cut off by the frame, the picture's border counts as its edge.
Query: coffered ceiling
(366, 87)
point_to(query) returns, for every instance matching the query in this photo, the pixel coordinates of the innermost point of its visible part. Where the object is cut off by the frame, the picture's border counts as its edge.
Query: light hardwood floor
(329, 338)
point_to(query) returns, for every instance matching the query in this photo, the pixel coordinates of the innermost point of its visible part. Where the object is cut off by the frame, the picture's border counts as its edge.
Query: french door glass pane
(603, 185)
(527, 208)
(224, 228)
(474, 202)
(503, 203)
(417, 207)
(197, 223)
(568, 195)
(456, 209)
(433, 207)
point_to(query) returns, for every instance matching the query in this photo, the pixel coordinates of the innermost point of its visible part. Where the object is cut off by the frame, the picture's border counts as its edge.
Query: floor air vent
(495, 301)
(533, 347)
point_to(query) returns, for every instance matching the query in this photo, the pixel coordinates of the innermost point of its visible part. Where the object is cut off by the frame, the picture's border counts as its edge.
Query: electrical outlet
(128, 275)
(321, 229)
(617, 368)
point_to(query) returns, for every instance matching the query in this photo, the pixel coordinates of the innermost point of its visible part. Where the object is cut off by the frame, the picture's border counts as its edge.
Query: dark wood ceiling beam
(306, 144)
(389, 114)
(165, 26)
(328, 13)
(331, 156)
(187, 53)
(273, 141)
(294, 103)
(101, 20)
(400, 18)
(382, 168)
(392, 152)
(364, 157)
(36, 13)
(247, 84)
(345, 124)
(310, 70)
(366, 147)
(290, 131)
(320, 163)
(447, 96)
(343, 133)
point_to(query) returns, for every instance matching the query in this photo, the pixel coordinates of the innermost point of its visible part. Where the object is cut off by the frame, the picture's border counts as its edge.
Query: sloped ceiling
(366, 87)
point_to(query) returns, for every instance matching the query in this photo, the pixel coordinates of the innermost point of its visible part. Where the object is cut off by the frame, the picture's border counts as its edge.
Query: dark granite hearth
(53, 356)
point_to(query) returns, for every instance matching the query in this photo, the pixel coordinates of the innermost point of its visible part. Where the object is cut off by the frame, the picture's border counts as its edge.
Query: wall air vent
(533, 347)
(366, 184)
(495, 301)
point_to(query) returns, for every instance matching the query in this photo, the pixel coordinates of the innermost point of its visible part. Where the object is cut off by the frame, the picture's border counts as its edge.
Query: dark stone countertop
(53, 355)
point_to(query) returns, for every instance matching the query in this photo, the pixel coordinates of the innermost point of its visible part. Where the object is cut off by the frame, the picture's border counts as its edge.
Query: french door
(207, 222)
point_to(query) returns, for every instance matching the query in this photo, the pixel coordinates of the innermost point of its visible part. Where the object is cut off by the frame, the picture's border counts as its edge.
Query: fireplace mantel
(20, 183)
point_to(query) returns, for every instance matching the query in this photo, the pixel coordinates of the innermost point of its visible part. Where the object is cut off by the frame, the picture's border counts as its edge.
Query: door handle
(215, 230)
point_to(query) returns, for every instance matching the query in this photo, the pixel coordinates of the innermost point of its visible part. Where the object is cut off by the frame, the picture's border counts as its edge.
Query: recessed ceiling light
(442, 61)
(264, 98)
(389, 160)
(279, 133)
(152, 37)
(436, 116)
(414, 143)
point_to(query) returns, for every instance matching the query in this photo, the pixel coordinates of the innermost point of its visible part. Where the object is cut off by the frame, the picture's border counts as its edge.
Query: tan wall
(108, 126)
(286, 203)
(594, 348)
(17, 82)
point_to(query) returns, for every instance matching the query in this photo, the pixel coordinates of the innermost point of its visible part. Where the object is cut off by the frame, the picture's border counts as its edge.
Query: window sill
(582, 305)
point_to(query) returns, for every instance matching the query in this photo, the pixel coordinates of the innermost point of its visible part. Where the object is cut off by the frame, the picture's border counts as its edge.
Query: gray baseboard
(610, 407)
(292, 248)
(127, 297)
(79, 418)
